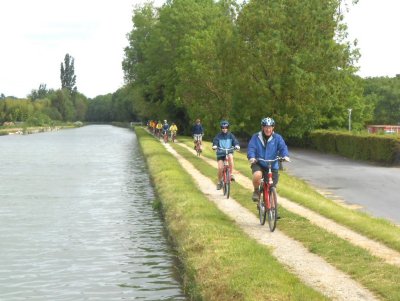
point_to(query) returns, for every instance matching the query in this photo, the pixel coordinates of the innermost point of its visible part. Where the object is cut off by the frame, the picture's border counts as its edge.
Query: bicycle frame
(173, 136)
(226, 172)
(165, 136)
(197, 138)
(265, 205)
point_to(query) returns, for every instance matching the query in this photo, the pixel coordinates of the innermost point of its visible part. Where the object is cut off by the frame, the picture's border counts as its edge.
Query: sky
(36, 35)
(375, 25)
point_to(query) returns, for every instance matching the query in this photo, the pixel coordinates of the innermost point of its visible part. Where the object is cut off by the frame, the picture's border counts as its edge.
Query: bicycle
(173, 136)
(226, 173)
(165, 136)
(268, 201)
(197, 146)
(158, 133)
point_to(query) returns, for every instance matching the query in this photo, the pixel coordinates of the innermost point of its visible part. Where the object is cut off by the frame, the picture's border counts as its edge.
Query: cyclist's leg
(220, 171)
(275, 177)
(257, 175)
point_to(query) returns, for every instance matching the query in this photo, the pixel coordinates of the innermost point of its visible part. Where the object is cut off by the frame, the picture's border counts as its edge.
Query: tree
(68, 77)
(40, 93)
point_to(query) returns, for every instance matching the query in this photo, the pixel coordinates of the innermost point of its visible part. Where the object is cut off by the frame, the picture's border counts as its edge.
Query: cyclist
(173, 129)
(152, 126)
(267, 145)
(224, 139)
(197, 132)
(158, 128)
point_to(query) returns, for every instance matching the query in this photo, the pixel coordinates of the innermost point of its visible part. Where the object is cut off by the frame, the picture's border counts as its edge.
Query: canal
(77, 222)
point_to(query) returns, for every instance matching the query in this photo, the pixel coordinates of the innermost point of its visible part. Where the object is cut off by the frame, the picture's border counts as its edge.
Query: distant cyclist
(165, 127)
(267, 145)
(197, 132)
(173, 129)
(224, 140)
(158, 128)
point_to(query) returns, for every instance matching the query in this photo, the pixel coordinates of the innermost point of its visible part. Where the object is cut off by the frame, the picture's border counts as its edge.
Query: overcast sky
(35, 35)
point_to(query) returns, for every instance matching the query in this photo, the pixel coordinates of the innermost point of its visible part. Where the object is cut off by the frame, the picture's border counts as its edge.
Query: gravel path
(310, 268)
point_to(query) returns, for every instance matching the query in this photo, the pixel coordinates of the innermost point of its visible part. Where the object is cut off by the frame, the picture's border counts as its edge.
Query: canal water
(77, 222)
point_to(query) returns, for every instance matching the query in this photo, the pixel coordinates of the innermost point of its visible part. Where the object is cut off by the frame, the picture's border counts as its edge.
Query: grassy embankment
(372, 272)
(10, 130)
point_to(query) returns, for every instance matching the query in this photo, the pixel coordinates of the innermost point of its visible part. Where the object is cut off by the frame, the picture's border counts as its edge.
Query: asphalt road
(375, 189)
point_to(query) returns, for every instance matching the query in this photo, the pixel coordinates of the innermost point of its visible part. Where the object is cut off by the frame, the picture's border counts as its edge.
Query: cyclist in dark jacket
(226, 140)
(267, 145)
(197, 133)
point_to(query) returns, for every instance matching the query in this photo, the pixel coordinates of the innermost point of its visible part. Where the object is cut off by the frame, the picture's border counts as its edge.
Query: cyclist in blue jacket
(165, 127)
(267, 145)
(227, 140)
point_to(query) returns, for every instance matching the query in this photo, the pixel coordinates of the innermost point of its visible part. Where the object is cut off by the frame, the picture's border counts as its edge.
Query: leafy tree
(294, 66)
(99, 109)
(383, 93)
(68, 77)
(40, 93)
(62, 101)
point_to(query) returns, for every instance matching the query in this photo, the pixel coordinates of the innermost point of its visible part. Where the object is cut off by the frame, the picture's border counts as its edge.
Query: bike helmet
(224, 124)
(165, 121)
(268, 121)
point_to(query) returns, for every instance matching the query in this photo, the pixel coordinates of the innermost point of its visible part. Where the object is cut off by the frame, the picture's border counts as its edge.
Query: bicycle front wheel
(227, 182)
(262, 211)
(198, 150)
(273, 210)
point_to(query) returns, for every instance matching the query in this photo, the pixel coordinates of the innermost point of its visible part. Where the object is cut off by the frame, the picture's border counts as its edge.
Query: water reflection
(76, 221)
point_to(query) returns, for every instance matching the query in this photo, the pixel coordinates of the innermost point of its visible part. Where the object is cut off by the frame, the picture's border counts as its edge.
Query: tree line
(218, 60)
(223, 60)
(47, 106)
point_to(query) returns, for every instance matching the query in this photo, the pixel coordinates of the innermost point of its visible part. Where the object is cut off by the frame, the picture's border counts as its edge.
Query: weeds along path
(375, 248)
(310, 268)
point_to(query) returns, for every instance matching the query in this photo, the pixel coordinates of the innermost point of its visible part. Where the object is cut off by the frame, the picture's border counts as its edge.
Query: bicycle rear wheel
(262, 212)
(273, 211)
(198, 149)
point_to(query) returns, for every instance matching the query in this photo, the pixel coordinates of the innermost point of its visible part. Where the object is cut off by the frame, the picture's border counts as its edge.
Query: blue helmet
(224, 123)
(267, 121)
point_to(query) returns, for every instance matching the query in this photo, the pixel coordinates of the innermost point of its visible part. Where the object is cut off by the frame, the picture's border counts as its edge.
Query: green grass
(371, 271)
(219, 261)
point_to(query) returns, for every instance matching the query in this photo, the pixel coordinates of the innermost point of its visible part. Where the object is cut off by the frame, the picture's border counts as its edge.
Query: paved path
(376, 189)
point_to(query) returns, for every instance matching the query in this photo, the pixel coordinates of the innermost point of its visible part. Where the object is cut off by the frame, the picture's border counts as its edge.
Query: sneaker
(255, 197)
(232, 178)
(219, 186)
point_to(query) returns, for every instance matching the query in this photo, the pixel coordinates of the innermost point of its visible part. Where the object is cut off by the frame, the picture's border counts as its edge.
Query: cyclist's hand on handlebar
(286, 158)
(214, 147)
(237, 147)
(252, 160)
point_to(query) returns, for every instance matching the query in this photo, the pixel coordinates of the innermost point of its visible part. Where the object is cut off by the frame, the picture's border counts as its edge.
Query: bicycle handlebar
(280, 159)
(227, 149)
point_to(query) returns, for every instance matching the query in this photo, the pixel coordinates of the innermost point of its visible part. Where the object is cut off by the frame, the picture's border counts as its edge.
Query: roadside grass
(219, 261)
(370, 271)
(302, 193)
